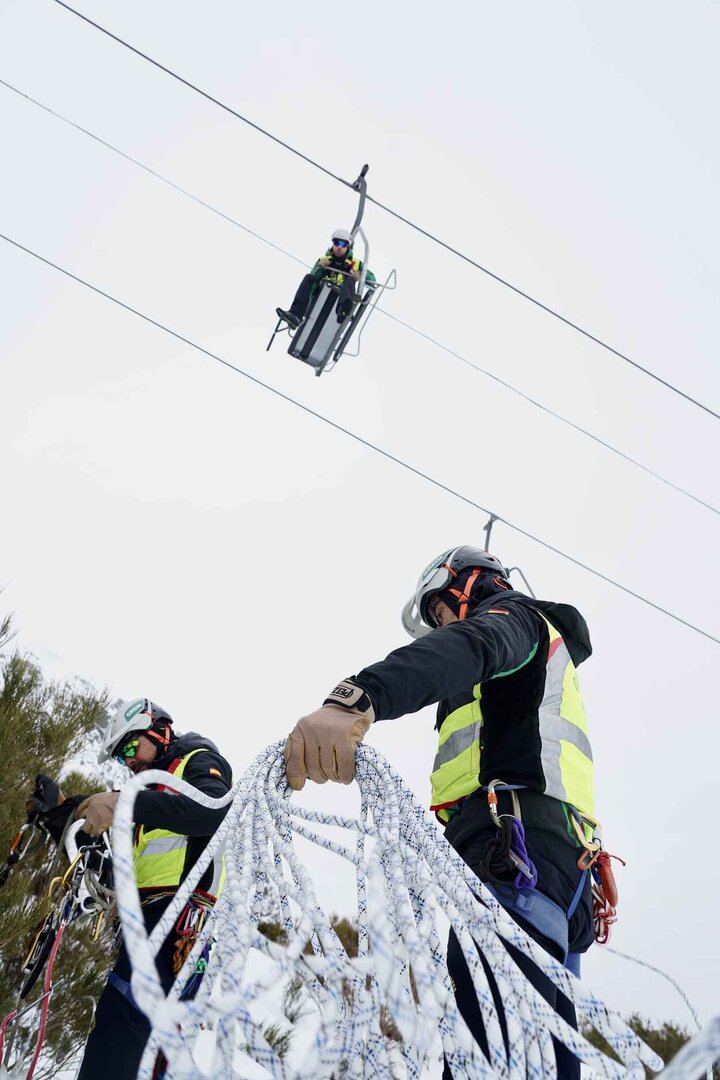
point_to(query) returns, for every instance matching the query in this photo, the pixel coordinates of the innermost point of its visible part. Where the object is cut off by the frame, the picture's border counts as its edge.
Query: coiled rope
(410, 883)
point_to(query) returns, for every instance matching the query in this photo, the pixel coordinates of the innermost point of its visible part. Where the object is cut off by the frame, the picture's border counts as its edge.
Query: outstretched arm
(451, 659)
(209, 773)
(322, 745)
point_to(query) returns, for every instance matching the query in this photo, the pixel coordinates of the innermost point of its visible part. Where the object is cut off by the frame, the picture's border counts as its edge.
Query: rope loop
(387, 1010)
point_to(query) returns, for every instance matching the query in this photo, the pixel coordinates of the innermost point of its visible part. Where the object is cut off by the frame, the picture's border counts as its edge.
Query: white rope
(698, 1056)
(408, 879)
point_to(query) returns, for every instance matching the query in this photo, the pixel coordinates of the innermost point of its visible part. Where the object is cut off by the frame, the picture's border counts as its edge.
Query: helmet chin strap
(463, 595)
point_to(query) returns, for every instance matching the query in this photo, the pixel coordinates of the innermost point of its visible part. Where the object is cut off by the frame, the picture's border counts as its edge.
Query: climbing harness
(410, 883)
(320, 339)
(83, 890)
(508, 864)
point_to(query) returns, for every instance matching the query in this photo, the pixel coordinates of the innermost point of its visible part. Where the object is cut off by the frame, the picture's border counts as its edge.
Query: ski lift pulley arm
(360, 186)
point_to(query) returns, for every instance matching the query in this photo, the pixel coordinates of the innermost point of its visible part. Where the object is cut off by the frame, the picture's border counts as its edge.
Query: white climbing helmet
(437, 577)
(139, 714)
(342, 234)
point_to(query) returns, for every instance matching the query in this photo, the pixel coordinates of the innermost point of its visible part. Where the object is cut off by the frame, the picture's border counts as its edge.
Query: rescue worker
(337, 265)
(501, 666)
(171, 833)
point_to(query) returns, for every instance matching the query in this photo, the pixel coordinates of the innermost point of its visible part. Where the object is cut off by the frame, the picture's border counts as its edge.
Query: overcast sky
(171, 529)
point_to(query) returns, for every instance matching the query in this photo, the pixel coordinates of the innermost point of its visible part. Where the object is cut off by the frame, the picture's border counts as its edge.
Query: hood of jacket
(182, 745)
(564, 617)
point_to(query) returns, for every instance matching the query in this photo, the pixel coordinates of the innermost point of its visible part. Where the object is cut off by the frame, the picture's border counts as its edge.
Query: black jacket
(210, 773)
(503, 631)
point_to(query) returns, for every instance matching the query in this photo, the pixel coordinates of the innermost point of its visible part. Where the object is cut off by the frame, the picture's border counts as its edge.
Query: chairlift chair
(320, 340)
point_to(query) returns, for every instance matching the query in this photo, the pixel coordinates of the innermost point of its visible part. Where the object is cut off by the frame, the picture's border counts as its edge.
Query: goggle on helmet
(439, 576)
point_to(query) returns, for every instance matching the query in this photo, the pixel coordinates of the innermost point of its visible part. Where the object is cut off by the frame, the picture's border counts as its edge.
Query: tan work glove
(98, 811)
(322, 745)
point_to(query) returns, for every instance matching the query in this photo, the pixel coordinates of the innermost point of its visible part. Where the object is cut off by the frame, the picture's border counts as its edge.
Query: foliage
(665, 1039)
(279, 1038)
(42, 727)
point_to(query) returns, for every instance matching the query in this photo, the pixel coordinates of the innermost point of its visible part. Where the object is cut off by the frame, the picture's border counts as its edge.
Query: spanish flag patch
(216, 772)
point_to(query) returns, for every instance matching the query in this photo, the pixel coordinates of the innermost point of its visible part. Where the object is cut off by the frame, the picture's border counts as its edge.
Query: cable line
(360, 439)
(394, 213)
(659, 971)
(401, 322)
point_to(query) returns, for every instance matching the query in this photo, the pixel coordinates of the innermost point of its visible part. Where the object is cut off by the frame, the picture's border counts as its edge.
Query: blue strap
(543, 914)
(124, 988)
(578, 895)
(539, 910)
(572, 963)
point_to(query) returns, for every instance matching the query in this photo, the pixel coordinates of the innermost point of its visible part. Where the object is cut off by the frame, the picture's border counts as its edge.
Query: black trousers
(302, 297)
(115, 1047)
(568, 1066)
(555, 857)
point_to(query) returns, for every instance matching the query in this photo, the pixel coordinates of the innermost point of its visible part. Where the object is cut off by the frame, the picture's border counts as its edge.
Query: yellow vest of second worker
(565, 754)
(159, 855)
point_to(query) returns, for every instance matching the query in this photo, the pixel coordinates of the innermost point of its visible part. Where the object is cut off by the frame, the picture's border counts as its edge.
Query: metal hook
(360, 186)
(488, 529)
(528, 586)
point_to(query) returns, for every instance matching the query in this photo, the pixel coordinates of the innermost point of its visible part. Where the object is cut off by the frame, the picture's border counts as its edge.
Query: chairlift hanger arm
(360, 186)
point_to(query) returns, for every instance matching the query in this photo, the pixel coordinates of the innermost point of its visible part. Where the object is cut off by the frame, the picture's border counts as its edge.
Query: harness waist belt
(539, 910)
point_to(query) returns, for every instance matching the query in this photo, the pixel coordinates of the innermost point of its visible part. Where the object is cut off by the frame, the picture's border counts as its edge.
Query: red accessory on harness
(605, 895)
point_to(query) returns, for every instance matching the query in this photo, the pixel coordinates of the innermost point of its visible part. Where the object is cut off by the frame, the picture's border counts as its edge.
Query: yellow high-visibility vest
(159, 855)
(565, 761)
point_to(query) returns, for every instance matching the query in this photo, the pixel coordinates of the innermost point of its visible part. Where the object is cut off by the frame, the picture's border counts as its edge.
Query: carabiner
(492, 802)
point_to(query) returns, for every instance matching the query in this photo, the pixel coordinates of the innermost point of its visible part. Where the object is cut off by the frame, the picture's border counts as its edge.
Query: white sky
(170, 529)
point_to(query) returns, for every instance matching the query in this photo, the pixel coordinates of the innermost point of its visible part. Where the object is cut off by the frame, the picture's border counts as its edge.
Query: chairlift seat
(320, 337)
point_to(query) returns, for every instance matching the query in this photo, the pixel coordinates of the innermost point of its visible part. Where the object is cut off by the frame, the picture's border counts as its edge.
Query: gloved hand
(322, 745)
(98, 811)
(324, 261)
(46, 795)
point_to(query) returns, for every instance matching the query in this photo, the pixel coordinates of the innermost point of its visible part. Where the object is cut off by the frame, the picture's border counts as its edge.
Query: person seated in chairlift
(339, 266)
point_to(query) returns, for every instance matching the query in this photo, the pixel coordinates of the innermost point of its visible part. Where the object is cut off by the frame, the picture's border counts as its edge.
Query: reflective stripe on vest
(159, 855)
(457, 763)
(565, 754)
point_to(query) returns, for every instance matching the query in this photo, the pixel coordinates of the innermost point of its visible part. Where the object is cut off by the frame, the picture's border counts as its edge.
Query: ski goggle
(128, 750)
(340, 243)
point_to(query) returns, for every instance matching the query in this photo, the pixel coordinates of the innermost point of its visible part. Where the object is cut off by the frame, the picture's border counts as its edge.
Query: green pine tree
(666, 1039)
(42, 726)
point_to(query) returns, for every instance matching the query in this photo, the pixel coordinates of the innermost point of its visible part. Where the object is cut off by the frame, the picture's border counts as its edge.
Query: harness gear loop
(507, 858)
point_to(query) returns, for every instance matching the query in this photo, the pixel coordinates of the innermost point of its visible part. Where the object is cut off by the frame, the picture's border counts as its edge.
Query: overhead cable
(360, 439)
(394, 213)
(401, 322)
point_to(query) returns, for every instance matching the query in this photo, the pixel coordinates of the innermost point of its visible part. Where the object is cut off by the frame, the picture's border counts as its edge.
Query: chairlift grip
(488, 529)
(360, 186)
